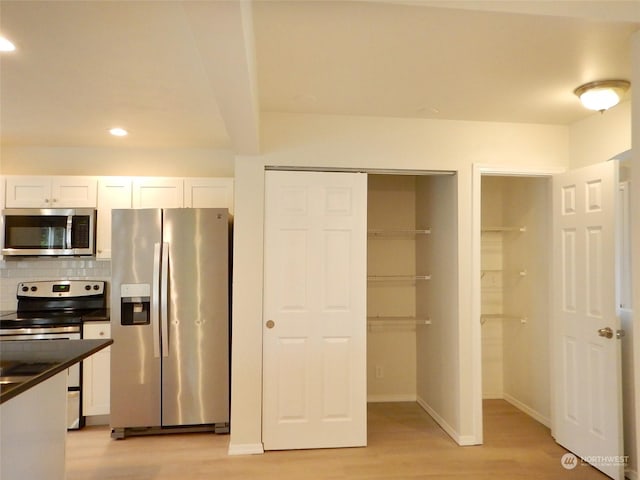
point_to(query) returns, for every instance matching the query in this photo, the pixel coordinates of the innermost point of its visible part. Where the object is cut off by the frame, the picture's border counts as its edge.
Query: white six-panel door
(314, 325)
(587, 390)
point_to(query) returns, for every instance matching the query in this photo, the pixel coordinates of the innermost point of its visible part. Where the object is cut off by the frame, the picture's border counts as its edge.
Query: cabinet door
(96, 378)
(28, 191)
(113, 192)
(157, 192)
(73, 192)
(51, 192)
(208, 193)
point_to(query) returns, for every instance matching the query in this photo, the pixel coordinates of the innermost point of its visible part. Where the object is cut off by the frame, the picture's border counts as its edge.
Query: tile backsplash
(14, 271)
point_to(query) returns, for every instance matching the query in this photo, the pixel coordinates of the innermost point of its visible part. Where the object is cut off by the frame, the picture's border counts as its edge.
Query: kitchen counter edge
(61, 353)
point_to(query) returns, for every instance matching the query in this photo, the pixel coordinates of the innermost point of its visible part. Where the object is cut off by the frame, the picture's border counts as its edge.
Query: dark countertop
(26, 363)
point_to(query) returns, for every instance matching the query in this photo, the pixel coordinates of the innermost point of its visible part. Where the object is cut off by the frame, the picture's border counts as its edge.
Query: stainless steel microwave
(49, 232)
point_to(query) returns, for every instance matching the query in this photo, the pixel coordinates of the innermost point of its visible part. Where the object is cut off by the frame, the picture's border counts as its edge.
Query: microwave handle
(68, 231)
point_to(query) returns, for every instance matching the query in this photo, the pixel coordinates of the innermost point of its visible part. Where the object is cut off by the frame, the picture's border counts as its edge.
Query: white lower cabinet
(96, 372)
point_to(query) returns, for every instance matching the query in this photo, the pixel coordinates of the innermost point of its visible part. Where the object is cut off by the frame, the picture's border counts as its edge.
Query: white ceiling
(198, 74)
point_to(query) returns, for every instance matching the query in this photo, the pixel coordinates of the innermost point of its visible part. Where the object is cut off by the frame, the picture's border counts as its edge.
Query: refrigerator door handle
(155, 300)
(164, 300)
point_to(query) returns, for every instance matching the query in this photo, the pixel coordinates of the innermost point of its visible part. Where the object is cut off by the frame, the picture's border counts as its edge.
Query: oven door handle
(164, 301)
(155, 299)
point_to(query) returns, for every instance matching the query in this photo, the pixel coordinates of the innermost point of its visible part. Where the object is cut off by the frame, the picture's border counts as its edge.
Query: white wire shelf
(398, 233)
(502, 316)
(397, 278)
(521, 229)
(397, 322)
(522, 273)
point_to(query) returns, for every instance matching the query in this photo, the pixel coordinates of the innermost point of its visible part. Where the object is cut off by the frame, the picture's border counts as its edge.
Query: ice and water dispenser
(135, 305)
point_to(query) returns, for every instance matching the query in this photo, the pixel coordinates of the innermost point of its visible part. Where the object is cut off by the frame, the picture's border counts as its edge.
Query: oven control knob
(87, 287)
(34, 288)
(96, 287)
(25, 288)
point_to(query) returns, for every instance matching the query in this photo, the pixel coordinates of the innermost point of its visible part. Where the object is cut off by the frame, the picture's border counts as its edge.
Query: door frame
(476, 298)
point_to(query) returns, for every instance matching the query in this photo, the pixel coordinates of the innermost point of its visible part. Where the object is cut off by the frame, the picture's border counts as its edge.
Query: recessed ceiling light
(118, 132)
(6, 45)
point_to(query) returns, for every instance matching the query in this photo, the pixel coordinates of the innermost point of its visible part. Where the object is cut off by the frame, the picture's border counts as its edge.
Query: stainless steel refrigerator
(169, 320)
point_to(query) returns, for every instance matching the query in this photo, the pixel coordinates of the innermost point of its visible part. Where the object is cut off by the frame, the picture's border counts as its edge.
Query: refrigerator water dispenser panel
(135, 305)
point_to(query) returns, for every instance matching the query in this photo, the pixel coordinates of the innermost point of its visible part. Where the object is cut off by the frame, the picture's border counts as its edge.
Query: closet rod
(504, 229)
(379, 278)
(501, 316)
(397, 320)
(389, 233)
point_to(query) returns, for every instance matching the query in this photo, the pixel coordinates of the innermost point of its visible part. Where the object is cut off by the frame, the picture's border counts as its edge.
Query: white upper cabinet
(113, 192)
(208, 193)
(51, 192)
(157, 192)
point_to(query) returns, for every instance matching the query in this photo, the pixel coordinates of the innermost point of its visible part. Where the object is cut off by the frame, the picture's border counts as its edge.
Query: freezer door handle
(155, 300)
(164, 301)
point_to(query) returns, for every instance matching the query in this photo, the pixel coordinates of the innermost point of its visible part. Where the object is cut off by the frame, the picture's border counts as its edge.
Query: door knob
(271, 324)
(605, 332)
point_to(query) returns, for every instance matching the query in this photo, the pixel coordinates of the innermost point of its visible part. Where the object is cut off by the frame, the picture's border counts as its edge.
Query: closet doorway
(412, 292)
(515, 258)
(536, 257)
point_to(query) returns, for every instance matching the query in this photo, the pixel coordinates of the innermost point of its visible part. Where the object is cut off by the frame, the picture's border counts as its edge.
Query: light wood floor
(404, 443)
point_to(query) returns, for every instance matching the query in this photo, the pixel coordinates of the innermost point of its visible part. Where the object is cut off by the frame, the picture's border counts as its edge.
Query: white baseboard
(245, 449)
(95, 420)
(528, 410)
(493, 396)
(462, 440)
(402, 397)
(631, 475)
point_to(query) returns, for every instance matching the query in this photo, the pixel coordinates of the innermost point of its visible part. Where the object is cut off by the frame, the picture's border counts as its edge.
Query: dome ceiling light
(602, 94)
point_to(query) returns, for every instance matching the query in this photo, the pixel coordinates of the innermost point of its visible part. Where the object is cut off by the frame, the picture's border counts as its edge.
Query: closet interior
(412, 289)
(515, 259)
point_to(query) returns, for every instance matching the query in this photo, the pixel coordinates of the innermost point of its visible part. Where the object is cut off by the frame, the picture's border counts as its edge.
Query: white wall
(437, 344)
(116, 161)
(600, 136)
(365, 142)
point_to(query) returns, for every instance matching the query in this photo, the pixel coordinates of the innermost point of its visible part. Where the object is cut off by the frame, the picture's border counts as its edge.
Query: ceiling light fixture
(118, 132)
(602, 94)
(6, 45)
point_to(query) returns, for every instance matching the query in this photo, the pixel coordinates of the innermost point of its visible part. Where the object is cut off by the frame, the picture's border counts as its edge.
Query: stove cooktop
(49, 318)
